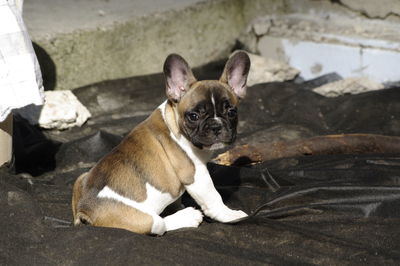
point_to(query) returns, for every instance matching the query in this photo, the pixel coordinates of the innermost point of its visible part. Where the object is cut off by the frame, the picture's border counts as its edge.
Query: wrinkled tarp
(325, 209)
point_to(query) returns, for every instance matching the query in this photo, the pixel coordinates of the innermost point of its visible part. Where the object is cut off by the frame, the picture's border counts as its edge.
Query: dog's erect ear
(178, 77)
(235, 73)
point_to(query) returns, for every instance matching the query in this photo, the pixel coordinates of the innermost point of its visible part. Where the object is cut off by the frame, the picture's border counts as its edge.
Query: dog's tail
(79, 217)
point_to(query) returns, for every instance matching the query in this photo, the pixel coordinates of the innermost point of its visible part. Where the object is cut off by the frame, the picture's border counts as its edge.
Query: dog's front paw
(229, 215)
(188, 217)
(234, 215)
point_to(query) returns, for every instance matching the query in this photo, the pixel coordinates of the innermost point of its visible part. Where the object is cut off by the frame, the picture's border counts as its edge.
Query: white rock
(261, 26)
(268, 70)
(61, 110)
(353, 85)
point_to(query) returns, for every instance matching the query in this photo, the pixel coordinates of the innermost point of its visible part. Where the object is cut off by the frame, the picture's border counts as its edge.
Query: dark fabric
(327, 209)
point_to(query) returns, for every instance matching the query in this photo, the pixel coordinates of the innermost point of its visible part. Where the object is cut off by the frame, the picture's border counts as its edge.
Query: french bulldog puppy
(167, 154)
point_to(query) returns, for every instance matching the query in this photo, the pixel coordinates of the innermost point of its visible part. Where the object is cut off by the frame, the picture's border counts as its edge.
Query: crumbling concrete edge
(385, 10)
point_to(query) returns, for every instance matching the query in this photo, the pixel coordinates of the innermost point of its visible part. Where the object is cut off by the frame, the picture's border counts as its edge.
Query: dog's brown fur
(119, 170)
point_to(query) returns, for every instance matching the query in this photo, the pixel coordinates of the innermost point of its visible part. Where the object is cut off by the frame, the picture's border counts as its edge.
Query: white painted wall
(349, 59)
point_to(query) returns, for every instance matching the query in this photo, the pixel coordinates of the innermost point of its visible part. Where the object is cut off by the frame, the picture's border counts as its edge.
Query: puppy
(167, 154)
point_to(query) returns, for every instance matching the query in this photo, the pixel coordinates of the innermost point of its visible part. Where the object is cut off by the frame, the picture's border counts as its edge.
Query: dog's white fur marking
(158, 227)
(202, 189)
(162, 109)
(154, 204)
(188, 217)
(215, 109)
(217, 146)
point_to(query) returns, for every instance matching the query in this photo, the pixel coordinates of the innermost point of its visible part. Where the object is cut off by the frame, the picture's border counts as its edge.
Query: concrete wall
(83, 42)
(88, 46)
(352, 38)
(374, 9)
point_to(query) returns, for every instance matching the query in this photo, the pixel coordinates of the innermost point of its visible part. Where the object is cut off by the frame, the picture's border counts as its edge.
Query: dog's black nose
(216, 127)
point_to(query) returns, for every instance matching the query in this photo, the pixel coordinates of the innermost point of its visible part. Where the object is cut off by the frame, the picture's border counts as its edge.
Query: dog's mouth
(216, 146)
(211, 141)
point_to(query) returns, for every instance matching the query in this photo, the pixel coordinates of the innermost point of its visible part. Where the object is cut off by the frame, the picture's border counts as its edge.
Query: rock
(354, 85)
(61, 110)
(268, 70)
(261, 26)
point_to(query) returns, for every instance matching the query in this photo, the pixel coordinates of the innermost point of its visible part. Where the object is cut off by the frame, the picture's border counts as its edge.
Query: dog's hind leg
(110, 213)
(113, 213)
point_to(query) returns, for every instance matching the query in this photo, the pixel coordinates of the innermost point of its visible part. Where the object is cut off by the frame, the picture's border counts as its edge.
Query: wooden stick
(329, 144)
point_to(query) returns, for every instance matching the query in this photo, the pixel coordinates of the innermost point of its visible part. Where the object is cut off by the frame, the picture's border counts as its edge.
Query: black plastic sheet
(326, 209)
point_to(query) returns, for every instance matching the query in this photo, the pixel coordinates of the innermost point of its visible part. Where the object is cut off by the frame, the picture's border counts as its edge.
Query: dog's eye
(232, 112)
(193, 117)
(227, 105)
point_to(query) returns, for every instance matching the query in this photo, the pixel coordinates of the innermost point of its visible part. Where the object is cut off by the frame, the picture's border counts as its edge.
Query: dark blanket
(326, 209)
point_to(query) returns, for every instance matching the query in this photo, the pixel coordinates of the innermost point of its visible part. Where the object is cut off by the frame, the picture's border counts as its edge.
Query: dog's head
(207, 110)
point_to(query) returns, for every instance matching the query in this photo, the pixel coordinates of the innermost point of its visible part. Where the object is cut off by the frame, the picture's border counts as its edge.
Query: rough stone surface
(348, 86)
(261, 26)
(382, 10)
(61, 110)
(91, 15)
(136, 45)
(269, 70)
(374, 9)
(318, 44)
(83, 42)
(333, 28)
